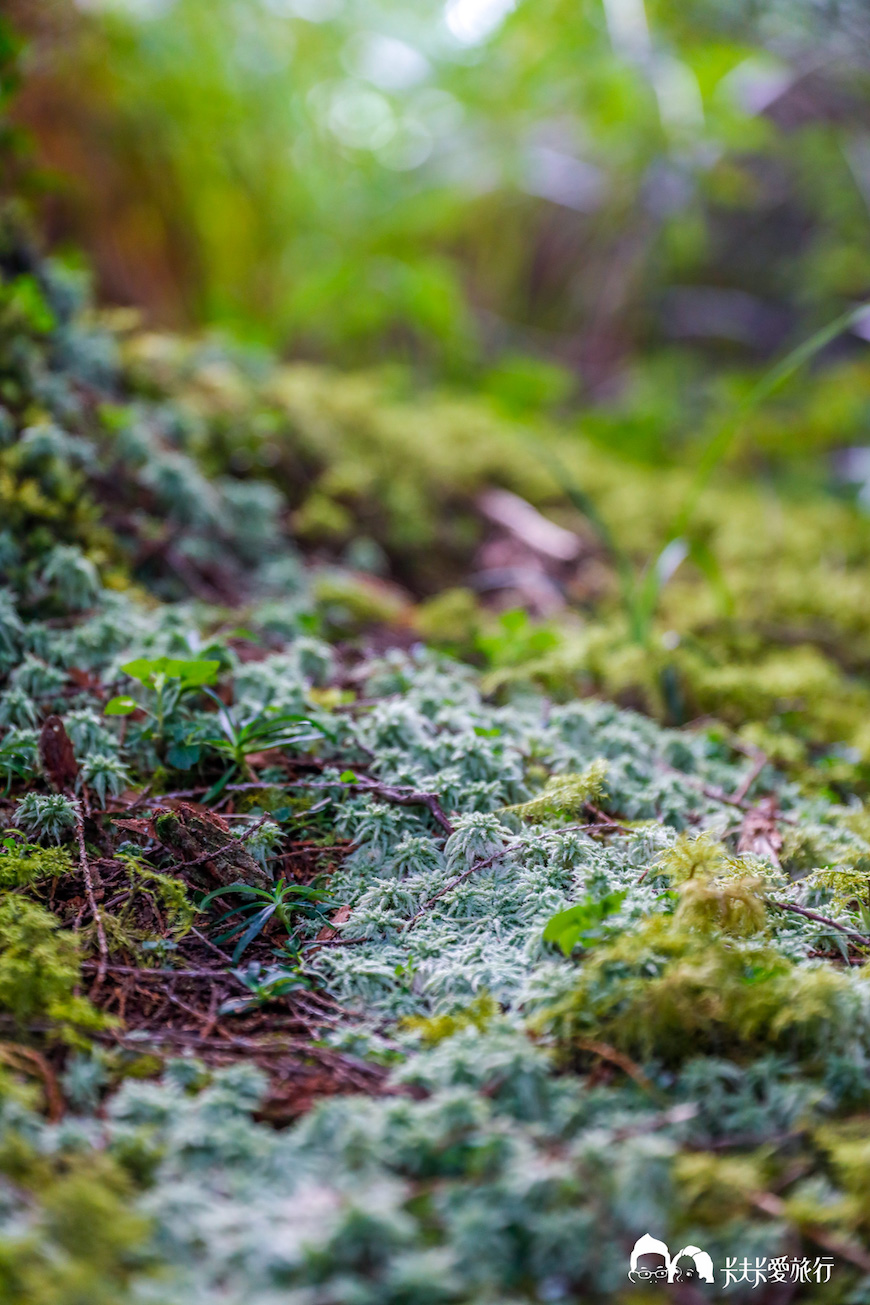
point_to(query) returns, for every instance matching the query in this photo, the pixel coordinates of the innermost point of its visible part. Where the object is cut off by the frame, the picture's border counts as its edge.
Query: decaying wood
(207, 847)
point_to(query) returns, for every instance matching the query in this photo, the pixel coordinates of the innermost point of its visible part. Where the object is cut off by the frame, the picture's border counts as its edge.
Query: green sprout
(257, 731)
(168, 679)
(282, 900)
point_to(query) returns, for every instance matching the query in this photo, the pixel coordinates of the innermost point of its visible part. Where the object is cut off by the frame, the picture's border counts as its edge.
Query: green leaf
(192, 672)
(120, 706)
(26, 299)
(347, 777)
(141, 669)
(184, 755)
(581, 921)
(229, 888)
(255, 927)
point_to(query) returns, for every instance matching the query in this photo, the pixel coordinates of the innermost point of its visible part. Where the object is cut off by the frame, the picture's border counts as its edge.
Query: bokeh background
(616, 204)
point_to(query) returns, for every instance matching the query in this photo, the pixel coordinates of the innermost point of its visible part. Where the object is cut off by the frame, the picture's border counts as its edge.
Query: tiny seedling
(265, 983)
(257, 731)
(168, 679)
(582, 922)
(282, 900)
(15, 762)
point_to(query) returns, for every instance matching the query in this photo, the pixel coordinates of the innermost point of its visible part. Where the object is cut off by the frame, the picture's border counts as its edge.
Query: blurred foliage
(388, 484)
(538, 192)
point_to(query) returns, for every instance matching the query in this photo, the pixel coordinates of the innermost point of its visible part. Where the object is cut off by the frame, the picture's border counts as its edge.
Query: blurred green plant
(641, 589)
(168, 679)
(265, 983)
(528, 191)
(582, 922)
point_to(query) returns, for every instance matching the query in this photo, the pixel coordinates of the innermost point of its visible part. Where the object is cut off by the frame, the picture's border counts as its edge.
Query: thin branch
(604, 1051)
(497, 856)
(143, 972)
(823, 919)
(741, 793)
(458, 879)
(228, 960)
(13, 1055)
(92, 901)
(404, 798)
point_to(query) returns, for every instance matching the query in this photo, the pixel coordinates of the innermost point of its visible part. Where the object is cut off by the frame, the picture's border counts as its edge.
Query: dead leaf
(341, 916)
(56, 754)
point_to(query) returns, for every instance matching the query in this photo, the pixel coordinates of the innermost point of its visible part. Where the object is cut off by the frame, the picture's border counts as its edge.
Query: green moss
(40, 970)
(171, 892)
(81, 1242)
(434, 1029)
(564, 797)
(680, 986)
(25, 863)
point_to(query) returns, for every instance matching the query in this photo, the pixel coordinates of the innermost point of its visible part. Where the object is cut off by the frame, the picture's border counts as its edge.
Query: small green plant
(282, 900)
(265, 983)
(583, 922)
(104, 774)
(46, 815)
(168, 679)
(515, 638)
(256, 731)
(564, 796)
(16, 759)
(72, 576)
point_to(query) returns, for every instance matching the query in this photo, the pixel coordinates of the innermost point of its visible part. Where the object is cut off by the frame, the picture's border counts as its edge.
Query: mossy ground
(279, 557)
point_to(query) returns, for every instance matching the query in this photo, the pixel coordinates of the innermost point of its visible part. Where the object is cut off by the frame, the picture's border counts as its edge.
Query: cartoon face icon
(650, 1268)
(650, 1261)
(691, 1264)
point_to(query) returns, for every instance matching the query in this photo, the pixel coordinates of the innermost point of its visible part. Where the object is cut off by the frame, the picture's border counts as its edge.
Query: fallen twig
(228, 960)
(406, 798)
(823, 919)
(742, 791)
(92, 901)
(456, 880)
(604, 1051)
(144, 972)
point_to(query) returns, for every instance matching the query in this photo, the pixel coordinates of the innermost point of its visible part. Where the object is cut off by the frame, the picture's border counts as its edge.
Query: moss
(23, 863)
(350, 602)
(40, 970)
(81, 1242)
(434, 1029)
(172, 893)
(679, 987)
(564, 797)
